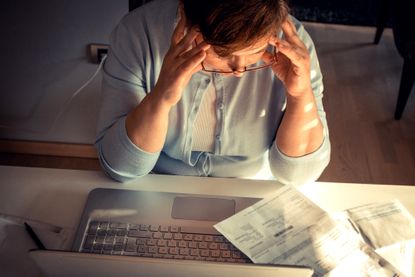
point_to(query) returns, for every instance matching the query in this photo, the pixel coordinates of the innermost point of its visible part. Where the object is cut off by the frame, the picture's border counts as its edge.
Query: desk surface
(57, 196)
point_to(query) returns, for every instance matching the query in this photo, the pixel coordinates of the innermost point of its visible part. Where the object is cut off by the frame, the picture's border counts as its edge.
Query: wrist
(305, 96)
(156, 103)
(163, 96)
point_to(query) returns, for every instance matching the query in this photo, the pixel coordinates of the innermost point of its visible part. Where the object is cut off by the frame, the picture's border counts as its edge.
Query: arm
(133, 124)
(147, 124)
(301, 131)
(302, 148)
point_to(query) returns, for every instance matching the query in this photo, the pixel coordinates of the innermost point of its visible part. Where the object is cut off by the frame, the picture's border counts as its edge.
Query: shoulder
(301, 31)
(156, 14)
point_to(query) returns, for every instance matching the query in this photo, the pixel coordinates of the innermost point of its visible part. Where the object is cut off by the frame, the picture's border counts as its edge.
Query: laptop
(142, 233)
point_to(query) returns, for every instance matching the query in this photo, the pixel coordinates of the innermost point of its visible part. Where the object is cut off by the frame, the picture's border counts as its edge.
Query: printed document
(288, 228)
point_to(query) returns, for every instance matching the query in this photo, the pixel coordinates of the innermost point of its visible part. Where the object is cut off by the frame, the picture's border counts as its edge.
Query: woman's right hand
(182, 60)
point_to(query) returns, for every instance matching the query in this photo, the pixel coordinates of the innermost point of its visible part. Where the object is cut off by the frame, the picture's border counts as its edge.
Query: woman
(212, 88)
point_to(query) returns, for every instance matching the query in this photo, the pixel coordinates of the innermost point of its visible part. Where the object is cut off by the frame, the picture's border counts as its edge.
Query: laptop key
(162, 242)
(236, 255)
(208, 238)
(177, 236)
(134, 226)
(140, 241)
(153, 249)
(184, 251)
(93, 227)
(174, 251)
(111, 232)
(223, 246)
(198, 237)
(226, 254)
(174, 229)
(101, 232)
(163, 250)
(121, 233)
(142, 249)
(202, 245)
(144, 227)
(109, 239)
(194, 252)
(167, 235)
(172, 243)
(104, 225)
(164, 228)
(218, 239)
(182, 244)
(154, 228)
(215, 253)
(192, 244)
(151, 242)
(130, 247)
(204, 253)
(119, 240)
(140, 234)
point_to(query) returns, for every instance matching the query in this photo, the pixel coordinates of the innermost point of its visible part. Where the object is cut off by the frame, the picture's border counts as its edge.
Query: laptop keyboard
(158, 241)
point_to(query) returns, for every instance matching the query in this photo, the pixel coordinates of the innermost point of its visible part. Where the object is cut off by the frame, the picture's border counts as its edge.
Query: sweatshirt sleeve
(123, 88)
(300, 170)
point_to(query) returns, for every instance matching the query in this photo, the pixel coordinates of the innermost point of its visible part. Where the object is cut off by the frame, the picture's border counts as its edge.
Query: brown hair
(230, 25)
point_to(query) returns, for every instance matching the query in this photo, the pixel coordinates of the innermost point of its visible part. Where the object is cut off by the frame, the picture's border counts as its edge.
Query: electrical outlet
(97, 51)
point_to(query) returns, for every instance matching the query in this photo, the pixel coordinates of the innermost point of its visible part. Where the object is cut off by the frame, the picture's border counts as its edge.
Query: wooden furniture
(401, 14)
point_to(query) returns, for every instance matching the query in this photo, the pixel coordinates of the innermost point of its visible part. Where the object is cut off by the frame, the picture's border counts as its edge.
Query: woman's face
(236, 62)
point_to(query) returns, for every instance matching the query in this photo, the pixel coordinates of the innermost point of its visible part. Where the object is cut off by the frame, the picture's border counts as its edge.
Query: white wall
(43, 60)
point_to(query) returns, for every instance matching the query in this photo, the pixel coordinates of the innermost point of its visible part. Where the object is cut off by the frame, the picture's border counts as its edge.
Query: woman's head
(231, 25)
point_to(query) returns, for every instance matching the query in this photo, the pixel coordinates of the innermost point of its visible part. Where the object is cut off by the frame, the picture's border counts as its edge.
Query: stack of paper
(288, 228)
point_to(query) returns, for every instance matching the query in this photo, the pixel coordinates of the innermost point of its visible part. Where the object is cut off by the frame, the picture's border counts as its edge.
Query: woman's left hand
(293, 61)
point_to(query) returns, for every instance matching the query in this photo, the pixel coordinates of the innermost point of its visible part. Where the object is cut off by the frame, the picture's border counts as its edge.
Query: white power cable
(65, 105)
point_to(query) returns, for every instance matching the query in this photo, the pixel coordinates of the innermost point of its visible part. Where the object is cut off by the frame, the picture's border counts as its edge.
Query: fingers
(292, 47)
(290, 32)
(185, 43)
(179, 31)
(192, 64)
(267, 57)
(190, 61)
(190, 52)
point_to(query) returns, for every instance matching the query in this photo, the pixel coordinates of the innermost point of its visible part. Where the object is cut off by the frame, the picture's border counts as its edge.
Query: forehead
(259, 45)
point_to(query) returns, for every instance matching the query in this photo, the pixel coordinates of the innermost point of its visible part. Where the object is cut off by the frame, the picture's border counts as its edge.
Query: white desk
(57, 196)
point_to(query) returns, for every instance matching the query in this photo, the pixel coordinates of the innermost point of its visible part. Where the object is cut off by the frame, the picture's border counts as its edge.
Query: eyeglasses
(257, 66)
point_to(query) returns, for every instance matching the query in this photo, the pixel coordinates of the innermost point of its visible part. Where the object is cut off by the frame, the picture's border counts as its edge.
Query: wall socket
(97, 51)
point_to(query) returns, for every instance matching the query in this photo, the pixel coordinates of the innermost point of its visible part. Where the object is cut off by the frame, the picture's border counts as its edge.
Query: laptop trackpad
(198, 208)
